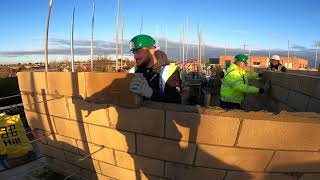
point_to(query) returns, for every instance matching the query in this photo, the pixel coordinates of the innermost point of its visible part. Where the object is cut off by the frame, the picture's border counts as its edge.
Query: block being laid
(111, 88)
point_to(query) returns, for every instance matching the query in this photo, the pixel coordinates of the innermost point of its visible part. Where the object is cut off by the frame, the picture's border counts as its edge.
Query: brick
(32, 81)
(310, 85)
(111, 138)
(236, 175)
(288, 161)
(298, 101)
(124, 174)
(105, 154)
(185, 172)
(66, 83)
(146, 121)
(232, 158)
(139, 163)
(81, 110)
(279, 93)
(165, 149)
(313, 176)
(63, 142)
(62, 167)
(40, 121)
(111, 88)
(87, 163)
(72, 129)
(202, 128)
(52, 152)
(280, 135)
(314, 105)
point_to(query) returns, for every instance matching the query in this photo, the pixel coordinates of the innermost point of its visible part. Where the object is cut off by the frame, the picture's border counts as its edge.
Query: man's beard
(146, 61)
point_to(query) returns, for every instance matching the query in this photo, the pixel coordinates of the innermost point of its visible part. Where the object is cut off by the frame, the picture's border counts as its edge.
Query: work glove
(140, 86)
(265, 88)
(260, 75)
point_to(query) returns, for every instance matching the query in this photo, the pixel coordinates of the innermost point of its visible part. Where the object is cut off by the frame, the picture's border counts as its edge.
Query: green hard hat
(241, 57)
(141, 41)
(228, 63)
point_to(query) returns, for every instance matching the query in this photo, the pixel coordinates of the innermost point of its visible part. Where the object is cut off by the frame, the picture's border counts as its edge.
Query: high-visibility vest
(165, 73)
(235, 85)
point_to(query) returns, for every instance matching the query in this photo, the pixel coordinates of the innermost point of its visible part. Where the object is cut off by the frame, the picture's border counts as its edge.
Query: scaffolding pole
(117, 34)
(92, 35)
(122, 42)
(46, 37)
(71, 39)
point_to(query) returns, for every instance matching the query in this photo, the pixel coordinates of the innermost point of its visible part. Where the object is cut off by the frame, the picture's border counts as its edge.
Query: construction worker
(234, 84)
(161, 80)
(275, 64)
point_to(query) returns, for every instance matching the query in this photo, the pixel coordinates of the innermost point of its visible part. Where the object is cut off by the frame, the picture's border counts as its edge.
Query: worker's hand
(140, 86)
(260, 75)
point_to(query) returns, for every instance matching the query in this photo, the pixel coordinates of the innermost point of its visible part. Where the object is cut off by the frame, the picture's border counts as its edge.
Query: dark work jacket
(172, 89)
(277, 67)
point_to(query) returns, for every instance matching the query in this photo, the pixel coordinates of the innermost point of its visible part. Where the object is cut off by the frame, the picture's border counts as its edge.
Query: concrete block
(63, 142)
(289, 161)
(145, 121)
(98, 152)
(298, 101)
(232, 158)
(185, 172)
(165, 149)
(124, 174)
(87, 163)
(279, 93)
(310, 85)
(280, 135)
(284, 107)
(314, 105)
(52, 152)
(32, 81)
(173, 107)
(139, 163)
(111, 88)
(202, 128)
(72, 129)
(39, 134)
(84, 111)
(66, 83)
(40, 121)
(112, 138)
(311, 176)
(237, 175)
(51, 105)
(27, 100)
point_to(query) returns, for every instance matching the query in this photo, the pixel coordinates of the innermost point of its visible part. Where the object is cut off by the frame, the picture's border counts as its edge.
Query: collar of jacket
(237, 68)
(162, 61)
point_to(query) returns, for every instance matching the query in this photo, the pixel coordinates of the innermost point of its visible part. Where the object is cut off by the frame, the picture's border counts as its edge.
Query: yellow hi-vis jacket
(234, 85)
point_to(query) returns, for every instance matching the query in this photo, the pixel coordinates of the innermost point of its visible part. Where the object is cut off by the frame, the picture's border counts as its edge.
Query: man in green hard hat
(234, 84)
(161, 80)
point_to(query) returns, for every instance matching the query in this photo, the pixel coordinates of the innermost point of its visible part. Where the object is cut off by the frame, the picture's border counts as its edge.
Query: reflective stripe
(247, 89)
(236, 82)
(165, 74)
(229, 73)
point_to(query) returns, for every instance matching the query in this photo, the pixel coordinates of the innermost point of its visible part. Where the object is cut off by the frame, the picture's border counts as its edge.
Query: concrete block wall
(167, 141)
(294, 92)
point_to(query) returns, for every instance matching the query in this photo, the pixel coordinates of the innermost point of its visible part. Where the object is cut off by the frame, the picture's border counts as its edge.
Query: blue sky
(259, 24)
